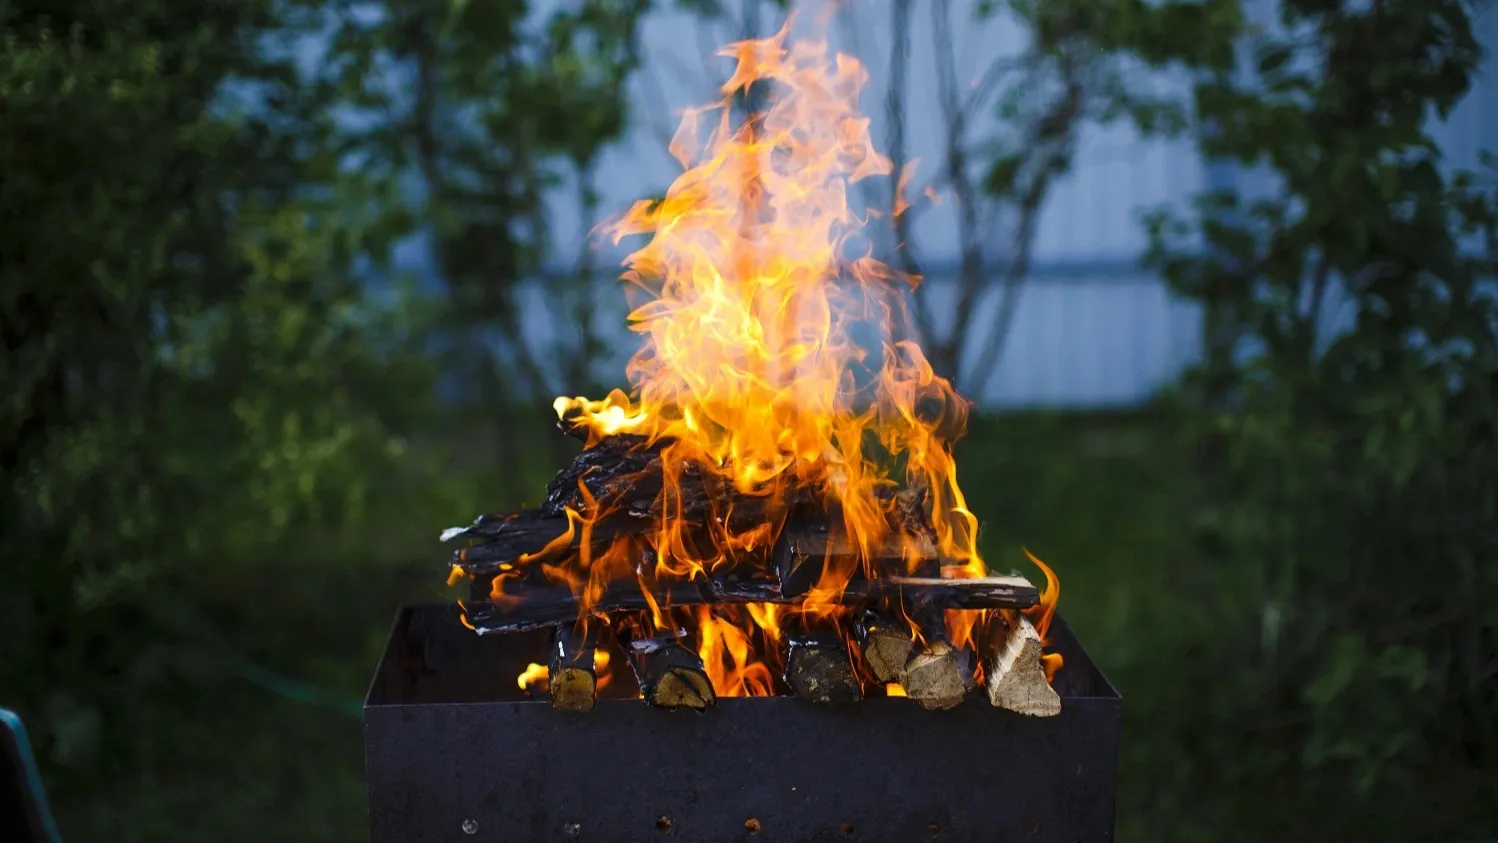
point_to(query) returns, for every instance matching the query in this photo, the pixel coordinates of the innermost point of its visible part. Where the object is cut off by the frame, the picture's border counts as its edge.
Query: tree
(470, 116)
(1013, 135)
(1353, 466)
(194, 383)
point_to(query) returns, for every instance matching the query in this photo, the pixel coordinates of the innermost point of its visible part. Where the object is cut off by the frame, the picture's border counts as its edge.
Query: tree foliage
(194, 381)
(1347, 405)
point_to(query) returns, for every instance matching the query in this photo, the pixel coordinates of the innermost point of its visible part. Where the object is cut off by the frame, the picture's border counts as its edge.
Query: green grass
(1106, 501)
(231, 760)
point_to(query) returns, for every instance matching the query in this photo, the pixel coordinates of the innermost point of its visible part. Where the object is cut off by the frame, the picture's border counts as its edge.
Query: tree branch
(947, 354)
(1055, 133)
(894, 106)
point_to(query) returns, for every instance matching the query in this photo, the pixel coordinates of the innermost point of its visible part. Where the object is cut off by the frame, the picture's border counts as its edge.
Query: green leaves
(1353, 457)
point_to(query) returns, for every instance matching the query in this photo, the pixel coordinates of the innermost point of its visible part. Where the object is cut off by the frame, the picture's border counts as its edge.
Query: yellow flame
(534, 675)
(777, 358)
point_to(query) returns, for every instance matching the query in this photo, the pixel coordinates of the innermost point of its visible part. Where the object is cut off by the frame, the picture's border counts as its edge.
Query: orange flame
(1042, 613)
(776, 359)
(535, 677)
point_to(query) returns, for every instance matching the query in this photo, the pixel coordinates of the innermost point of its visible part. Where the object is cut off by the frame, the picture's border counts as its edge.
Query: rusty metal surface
(454, 752)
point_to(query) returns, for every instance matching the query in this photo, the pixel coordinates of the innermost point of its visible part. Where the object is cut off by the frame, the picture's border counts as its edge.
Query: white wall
(1091, 330)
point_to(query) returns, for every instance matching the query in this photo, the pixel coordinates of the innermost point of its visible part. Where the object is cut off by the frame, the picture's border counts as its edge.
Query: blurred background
(286, 287)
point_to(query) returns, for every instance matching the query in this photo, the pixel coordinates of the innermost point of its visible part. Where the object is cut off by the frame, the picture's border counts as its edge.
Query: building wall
(1092, 330)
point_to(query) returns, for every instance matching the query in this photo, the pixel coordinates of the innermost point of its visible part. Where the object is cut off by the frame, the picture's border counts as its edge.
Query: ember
(775, 506)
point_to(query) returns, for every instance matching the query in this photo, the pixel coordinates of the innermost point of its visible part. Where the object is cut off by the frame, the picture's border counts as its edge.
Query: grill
(456, 751)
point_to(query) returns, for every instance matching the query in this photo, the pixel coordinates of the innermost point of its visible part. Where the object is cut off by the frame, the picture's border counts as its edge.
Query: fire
(776, 358)
(533, 678)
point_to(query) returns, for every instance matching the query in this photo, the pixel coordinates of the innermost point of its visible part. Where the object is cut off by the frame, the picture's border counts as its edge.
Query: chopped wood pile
(878, 625)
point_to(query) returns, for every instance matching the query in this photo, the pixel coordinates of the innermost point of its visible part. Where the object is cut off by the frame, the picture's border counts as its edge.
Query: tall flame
(776, 357)
(770, 356)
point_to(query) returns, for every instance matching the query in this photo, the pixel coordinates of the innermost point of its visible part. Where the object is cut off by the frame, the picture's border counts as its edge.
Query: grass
(232, 760)
(1105, 500)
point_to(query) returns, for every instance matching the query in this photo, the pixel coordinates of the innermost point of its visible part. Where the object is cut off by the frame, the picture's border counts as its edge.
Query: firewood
(617, 471)
(572, 679)
(536, 607)
(1016, 676)
(973, 593)
(670, 675)
(818, 668)
(939, 676)
(804, 551)
(886, 645)
(504, 539)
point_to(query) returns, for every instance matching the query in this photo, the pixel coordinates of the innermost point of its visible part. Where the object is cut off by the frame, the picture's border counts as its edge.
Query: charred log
(670, 675)
(804, 552)
(886, 645)
(975, 593)
(818, 668)
(616, 471)
(536, 607)
(572, 678)
(505, 539)
(1016, 676)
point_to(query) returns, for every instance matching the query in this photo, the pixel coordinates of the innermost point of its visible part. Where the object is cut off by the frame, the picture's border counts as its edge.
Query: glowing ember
(778, 362)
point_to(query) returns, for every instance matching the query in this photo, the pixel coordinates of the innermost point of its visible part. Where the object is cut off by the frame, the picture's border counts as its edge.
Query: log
(543, 606)
(819, 669)
(572, 677)
(939, 677)
(670, 675)
(618, 470)
(804, 551)
(1016, 677)
(886, 645)
(504, 539)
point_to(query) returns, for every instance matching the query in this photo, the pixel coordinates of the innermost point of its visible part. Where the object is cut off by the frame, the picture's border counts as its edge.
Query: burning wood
(544, 606)
(1016, 678)
(785, 451)
(670, 675)
(939, 676)
(886, 646)
(572, 677)
(805, 553)
(818, 668)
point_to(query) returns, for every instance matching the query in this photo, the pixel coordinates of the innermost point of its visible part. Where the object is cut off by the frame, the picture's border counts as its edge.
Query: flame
(776, 359)
(535, 677)
(1043, 612)
(602, 669)
(726, 642)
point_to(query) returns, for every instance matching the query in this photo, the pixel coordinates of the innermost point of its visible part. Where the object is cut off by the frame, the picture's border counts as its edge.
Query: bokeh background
(286, 287)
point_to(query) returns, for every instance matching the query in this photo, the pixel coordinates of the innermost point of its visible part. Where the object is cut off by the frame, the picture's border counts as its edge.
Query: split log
(886, 645)
(1016, 675)
(670, 675)
(939, 676)
(572, 678)
(537, 607)
(818, 668)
